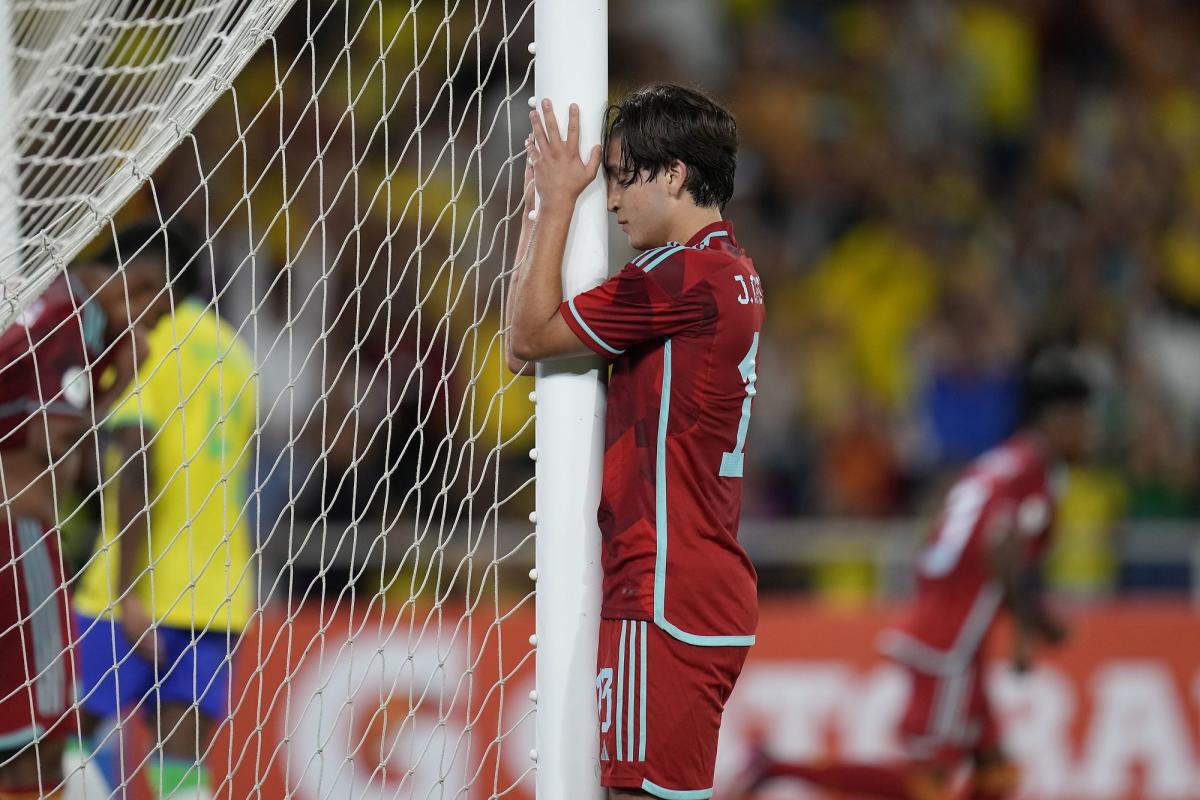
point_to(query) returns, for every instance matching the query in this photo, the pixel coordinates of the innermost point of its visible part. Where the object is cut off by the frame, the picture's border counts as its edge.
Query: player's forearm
(539, 293)
(132, 519)
(25, 486)
(520, 263)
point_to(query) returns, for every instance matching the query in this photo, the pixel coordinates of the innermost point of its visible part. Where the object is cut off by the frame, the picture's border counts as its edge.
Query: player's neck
(87, 277)
(688, 222)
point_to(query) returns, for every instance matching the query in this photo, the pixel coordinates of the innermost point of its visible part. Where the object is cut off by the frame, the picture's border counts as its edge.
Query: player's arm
(537, 330)
(133, 488)
(1022, 593)
(515, 364)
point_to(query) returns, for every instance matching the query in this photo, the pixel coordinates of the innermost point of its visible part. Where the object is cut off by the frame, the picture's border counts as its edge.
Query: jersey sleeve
(632, 307)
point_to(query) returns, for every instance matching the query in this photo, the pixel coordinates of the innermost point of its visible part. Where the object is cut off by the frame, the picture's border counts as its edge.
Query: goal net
(296, 546)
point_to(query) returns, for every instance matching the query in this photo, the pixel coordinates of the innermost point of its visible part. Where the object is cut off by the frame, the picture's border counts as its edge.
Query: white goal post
(571, 66)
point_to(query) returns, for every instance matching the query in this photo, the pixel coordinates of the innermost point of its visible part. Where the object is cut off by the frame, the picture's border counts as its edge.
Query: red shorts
(659, 703)
(36, 670)
(948, 716)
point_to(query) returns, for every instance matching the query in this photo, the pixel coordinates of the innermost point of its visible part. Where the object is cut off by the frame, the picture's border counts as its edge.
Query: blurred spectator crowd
(930, 189)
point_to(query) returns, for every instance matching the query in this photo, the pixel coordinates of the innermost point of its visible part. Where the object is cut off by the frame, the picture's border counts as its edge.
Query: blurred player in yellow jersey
(170, 586)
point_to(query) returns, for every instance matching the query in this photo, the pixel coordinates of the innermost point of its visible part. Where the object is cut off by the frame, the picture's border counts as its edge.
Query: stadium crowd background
(930, 189)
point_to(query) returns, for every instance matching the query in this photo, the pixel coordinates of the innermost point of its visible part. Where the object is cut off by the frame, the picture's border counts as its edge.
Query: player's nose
(614, 200)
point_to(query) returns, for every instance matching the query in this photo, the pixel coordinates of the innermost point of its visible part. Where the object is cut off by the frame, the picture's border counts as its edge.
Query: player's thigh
(34, 767)
(110, 673)
(659, 704)
(185, 730)
(199, 672)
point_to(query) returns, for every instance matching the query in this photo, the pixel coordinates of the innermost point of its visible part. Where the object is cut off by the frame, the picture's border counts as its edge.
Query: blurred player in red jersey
(983, 557)
(680, 324)
(51, 359)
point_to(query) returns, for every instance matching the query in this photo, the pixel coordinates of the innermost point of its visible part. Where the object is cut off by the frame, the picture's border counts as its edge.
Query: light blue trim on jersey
(652, 258)
(587, 329)
(660, 529)
(661, 257)
(660, 492)
(644, 257)
(642, 710)
(710, 237)
(675, 794)
(92, 319)
(700, 640)
(27, 735)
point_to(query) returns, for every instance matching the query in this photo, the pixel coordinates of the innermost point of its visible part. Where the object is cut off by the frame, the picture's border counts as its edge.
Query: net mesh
(285, 495)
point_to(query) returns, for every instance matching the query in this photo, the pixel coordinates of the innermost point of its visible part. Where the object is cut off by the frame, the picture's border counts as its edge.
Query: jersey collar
(720, 226)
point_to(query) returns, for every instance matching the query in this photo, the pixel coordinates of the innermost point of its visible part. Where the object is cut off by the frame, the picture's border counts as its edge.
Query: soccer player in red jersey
(51, 359)
(680, 324)
(983, 557)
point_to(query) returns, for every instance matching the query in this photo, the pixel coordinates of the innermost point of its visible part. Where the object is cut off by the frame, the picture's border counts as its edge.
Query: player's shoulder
(60, 314)
(228, 345)
(51, 308)
(1014, 469)
(681, 266)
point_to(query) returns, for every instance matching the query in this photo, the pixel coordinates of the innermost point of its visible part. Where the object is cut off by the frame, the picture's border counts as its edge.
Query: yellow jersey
(195, 396)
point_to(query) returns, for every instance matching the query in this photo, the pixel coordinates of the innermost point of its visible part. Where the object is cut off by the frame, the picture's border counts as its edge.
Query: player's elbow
(523, 348)
(515, 365)
(543, 340)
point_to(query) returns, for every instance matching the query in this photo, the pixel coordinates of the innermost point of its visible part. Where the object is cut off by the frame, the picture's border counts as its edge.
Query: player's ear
(676, 176)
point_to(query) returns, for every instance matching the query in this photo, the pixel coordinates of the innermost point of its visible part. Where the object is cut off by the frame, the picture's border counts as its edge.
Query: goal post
(9, 188)
(571, 66)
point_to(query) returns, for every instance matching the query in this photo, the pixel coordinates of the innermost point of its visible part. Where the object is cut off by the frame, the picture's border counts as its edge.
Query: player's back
(1005, 492)
(684, 320)
(195, 396)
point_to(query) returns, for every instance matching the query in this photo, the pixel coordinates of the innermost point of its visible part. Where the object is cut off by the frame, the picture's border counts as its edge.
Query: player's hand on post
(529, 200)
(559, 171)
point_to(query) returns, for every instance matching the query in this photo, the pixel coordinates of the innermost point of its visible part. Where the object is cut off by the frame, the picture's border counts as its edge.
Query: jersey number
(963, 507)
(732, 463)
(216, 439)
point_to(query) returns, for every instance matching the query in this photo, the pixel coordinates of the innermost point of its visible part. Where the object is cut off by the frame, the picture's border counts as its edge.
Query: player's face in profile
(1073, 430)
(148, 297)
(640, 207)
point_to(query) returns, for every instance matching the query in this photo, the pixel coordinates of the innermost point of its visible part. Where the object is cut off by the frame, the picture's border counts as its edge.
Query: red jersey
(681, 323)
(46, 359)
(1005, 492)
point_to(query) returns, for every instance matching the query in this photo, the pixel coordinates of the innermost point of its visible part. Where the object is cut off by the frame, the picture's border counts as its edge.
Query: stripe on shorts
(633, 660)
(621, 690)
(642, 706)
(48, 646)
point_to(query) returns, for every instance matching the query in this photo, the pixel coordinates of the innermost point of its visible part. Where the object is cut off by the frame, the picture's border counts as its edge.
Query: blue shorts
(191, 670)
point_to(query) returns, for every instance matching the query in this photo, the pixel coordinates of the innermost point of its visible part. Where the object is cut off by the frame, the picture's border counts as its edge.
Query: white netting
(326, 423)
(96, 94)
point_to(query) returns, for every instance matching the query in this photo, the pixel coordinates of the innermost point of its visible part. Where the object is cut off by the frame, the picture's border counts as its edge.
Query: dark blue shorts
(193, 669)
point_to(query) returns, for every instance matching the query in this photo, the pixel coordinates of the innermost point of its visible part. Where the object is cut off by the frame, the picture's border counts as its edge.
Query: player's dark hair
(664, 123)
(174, 246)
(1052, 379)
